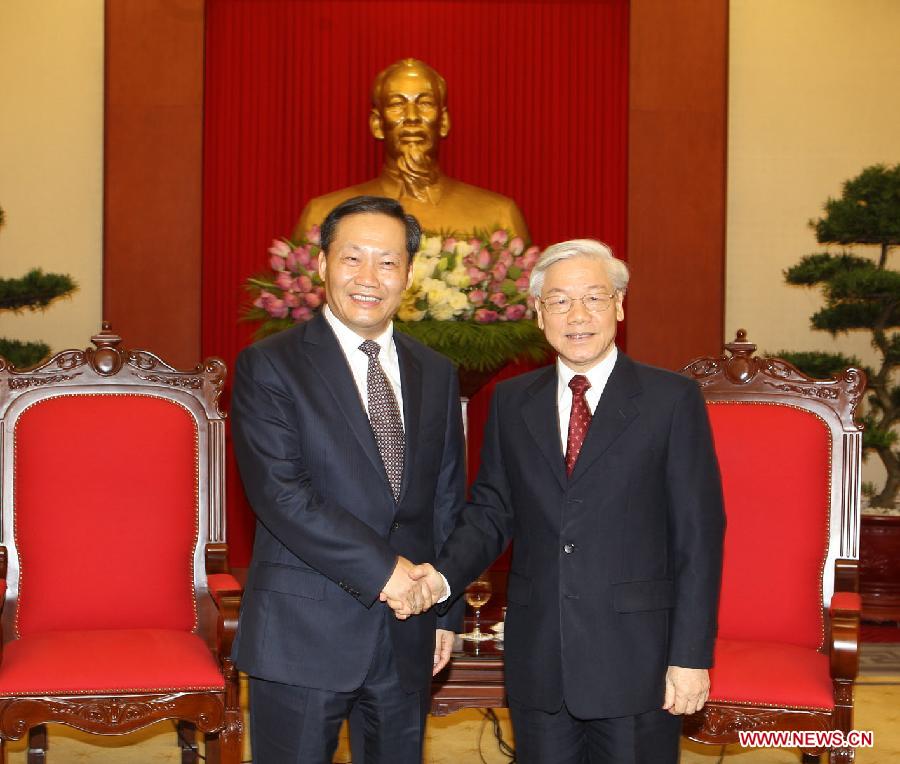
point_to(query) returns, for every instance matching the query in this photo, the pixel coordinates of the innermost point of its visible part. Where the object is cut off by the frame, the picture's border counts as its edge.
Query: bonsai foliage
(861, 294)
(35, 291)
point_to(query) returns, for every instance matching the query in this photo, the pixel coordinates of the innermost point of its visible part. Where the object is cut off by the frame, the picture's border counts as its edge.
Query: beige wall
(51, 159)
(813, 98)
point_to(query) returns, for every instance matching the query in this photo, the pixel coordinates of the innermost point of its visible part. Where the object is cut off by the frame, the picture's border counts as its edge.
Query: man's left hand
(443, 646)
(686, 690)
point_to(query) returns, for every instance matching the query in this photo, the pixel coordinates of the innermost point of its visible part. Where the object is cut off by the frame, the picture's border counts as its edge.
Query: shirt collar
(350, 340)
(597, 375)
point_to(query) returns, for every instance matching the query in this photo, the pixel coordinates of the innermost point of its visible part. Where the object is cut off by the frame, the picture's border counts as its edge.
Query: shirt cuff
(446, 588)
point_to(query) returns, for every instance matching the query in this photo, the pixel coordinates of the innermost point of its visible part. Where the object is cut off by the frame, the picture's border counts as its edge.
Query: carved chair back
(789, 453)
(111, 493)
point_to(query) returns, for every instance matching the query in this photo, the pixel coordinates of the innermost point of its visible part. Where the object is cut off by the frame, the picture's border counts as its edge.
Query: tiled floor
(466, 738)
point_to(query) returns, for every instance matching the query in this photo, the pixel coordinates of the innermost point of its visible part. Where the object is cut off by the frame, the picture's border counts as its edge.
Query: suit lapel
(328, 360)
(411, 381)
(614, 414)
(541, 415)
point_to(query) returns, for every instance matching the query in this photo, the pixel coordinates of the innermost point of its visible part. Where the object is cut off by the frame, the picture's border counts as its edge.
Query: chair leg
(37, 745)
(187, 741)
(224, 748)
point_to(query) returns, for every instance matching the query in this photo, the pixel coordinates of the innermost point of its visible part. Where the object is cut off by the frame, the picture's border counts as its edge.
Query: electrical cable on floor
(182, 741)
(505, 748)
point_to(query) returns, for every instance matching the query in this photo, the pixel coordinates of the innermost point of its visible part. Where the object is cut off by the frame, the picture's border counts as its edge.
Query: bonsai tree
(35, 291)
(861, 294)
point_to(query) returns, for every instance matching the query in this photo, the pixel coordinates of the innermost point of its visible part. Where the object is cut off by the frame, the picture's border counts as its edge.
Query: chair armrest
(844, 648)
(225, 592)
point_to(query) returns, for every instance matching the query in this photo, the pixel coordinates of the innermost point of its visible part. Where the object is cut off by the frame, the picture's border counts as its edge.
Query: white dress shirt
(359, 361)
(359, 368)
(598, 376)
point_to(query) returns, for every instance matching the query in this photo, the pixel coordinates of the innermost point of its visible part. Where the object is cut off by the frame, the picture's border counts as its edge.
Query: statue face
(410, 117)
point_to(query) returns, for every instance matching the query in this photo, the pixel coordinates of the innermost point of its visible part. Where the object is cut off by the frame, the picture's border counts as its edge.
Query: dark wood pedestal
(879, 569)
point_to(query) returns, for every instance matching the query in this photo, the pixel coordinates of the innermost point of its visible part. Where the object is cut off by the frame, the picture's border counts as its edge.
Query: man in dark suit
(602, 472)
(349, 440)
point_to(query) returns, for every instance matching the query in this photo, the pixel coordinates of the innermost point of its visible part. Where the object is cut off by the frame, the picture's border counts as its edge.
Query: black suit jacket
(328, 529)
(615, 571)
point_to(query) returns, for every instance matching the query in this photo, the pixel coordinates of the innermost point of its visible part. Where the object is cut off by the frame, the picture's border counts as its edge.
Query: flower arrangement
(468, 299)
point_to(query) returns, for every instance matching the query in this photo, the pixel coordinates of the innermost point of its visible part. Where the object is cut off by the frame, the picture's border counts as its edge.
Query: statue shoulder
(488, 208)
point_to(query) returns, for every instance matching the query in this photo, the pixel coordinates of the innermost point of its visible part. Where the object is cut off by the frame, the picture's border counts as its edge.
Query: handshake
(412, 589)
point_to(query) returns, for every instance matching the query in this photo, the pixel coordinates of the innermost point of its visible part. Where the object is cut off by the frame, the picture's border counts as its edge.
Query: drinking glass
(477, 595)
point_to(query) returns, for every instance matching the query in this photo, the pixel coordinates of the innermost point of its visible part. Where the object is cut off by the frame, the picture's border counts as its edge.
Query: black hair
(373, 205)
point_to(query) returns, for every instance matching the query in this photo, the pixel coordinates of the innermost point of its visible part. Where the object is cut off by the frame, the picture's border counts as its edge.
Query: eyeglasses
(593, 303)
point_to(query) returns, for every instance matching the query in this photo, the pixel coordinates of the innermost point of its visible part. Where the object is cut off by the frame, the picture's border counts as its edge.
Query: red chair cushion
(113, 661)
(104, 485)
(769, 674)
(776, 471)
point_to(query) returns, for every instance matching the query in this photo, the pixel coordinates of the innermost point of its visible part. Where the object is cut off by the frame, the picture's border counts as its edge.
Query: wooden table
(473, 678)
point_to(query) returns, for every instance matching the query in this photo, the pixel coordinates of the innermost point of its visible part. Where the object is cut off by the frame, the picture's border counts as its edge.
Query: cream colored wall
(814, 96)
(51, 160)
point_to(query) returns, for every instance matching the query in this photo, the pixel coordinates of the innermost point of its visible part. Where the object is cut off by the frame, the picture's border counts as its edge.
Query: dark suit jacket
(328, 529)
(615, 571)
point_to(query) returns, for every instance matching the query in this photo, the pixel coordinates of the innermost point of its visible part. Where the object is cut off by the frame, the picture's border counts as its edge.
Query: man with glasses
(601, 470)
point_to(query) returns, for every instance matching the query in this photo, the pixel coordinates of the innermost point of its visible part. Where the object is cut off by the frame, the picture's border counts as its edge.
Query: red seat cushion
(105, 484)
(776, 478)
(771, 674)
(112, 661)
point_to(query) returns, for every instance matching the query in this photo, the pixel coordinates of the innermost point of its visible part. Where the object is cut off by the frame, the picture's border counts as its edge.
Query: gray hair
(589, 248)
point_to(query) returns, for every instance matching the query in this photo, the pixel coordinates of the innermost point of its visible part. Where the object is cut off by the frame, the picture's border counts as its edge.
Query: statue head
(409, 113)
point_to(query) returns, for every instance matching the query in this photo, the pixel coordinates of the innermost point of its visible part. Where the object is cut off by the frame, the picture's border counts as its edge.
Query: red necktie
(579, 420)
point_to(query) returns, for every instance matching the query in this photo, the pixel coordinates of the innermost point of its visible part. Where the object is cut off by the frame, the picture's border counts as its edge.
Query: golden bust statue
(409, 113)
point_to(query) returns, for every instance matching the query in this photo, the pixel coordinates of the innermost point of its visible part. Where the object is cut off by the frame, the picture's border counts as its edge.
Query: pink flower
(303, 284)
(276, 308)
(292, 299)
(530, 257)
(279, 248)
(484, 259)
(304, 258)
(477, 296)
(448, 245)
(313, 300)
(284, 280)
(499, 239)
(499, 299)
(291, 261)
(301, 314)
(522, 283)
(320, 292)
(505, 257)
(476, 245)
(485, 316)
(500, 271)
(475, 275)
(276, 262)
(516, 246)
(313, 237)
(515, 312)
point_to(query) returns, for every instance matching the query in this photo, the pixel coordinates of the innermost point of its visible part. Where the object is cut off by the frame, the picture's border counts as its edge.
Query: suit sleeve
(696, 528)
(486, 524)
(450, 492)
(267, 445)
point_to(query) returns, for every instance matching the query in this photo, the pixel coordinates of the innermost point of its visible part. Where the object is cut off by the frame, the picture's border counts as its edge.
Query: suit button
(569, 548)
(395, 526)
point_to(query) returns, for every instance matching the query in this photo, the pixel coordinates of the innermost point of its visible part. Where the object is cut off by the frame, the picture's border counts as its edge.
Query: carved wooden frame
(741, 376)
(109, 369)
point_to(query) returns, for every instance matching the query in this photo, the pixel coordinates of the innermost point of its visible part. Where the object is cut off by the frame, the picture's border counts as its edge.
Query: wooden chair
(789, 452)
(119, 605)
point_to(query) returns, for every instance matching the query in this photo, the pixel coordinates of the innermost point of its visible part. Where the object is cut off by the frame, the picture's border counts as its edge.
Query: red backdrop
(538, 97)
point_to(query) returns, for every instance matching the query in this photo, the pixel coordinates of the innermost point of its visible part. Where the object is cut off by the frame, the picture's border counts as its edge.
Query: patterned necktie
(384, 416)
(579, 420)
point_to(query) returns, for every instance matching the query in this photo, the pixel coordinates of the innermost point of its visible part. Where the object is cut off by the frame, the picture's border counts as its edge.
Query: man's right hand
(406, 596)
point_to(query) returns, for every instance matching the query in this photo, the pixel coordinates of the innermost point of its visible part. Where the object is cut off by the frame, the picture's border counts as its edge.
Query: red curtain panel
(538, 98)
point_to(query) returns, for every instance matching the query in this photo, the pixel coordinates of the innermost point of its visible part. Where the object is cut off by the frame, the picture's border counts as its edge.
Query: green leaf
(876, 437)
(481, 347)
(868, 211)
(864, 284)
(816, 364)
(852, 315)
(34, 291)
(816, 268)
(23, 355)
